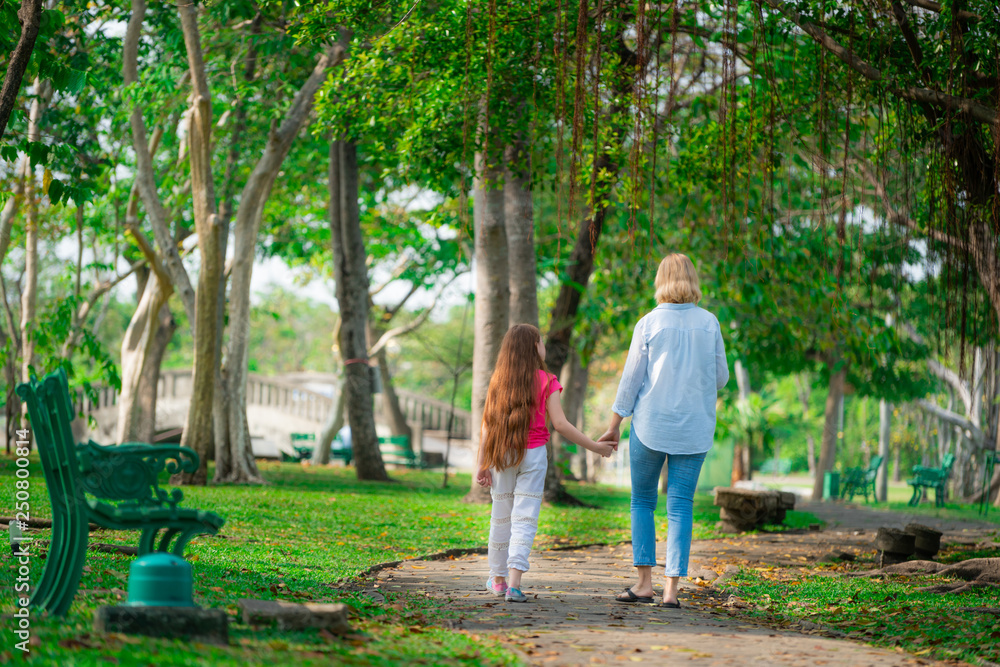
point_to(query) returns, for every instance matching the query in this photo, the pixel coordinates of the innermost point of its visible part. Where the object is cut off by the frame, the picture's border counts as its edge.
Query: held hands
(603, 448)
(484, 478)
(611, 436)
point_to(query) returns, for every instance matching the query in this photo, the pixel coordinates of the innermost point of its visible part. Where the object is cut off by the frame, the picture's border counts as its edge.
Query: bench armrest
(130, 472)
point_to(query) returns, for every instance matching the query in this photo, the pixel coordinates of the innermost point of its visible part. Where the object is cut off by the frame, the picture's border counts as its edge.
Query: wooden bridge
(295, 402)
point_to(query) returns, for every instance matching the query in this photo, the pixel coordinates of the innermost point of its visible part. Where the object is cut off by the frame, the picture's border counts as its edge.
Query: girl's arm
(567, 430)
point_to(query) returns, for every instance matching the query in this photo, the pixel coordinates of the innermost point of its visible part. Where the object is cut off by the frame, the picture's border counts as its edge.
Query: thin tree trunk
(828, 447)
(332, 426)
(519, 222)
(198, 431)
(10, 207)
(804, 385)
(351, 275)
(29, 295)
(247, 228)
(884, 441)
(136, 408)
(392, 413)
(492, 293)
(741, 469)
(30, 18)
(811, 453)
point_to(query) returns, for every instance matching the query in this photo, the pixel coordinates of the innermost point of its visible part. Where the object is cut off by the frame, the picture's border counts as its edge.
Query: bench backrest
(947, 463)
(873, 467)
(51, 417)
(128, 472)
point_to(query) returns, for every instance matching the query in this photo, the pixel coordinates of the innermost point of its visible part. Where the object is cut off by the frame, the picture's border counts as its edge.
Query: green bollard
(831, 485)
(160, 579)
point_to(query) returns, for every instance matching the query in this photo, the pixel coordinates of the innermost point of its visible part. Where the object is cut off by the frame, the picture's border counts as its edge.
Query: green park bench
(397, 450)
(81, 477)
(304, 452)
(861, 480)
(925, 477)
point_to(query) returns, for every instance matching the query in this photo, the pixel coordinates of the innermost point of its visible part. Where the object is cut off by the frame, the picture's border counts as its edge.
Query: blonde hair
(677, 280)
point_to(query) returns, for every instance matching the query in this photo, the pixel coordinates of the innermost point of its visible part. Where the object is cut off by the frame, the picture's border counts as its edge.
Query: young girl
(512, 456)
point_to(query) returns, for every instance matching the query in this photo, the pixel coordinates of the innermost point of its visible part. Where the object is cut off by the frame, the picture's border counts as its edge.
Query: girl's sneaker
(515, 595)
(493, 587)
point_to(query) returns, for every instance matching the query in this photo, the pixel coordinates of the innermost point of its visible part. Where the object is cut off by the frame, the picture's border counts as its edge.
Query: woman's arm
(633, 375)
(721, 364)
(614, 432)
(563, 426)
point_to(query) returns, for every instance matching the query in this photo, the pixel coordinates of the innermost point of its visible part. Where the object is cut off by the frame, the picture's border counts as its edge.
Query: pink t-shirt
(538, 433)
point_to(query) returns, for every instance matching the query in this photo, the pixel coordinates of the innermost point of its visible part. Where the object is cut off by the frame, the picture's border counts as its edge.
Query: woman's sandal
(632, 598)
(669, 605)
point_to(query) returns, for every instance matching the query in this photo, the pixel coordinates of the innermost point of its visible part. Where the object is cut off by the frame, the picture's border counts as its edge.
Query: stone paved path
(572, 619)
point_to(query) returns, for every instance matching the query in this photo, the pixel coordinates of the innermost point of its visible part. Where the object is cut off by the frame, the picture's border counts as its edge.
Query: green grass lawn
(884, 613)
(294, 539)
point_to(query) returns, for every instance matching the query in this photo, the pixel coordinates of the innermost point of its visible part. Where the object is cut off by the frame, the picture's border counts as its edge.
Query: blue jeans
(682, 479)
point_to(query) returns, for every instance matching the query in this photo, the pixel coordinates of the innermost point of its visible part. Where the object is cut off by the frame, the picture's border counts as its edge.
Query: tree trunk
(351, 276)
(831, 417)
(30, 18)
(519, 222)
(10, 207)
(392, 413)
(141, 363)
(334, 422)
(741, 469)
(198, 431)
(965, 478)
(804, 385)
(884, 441)
(255, 193)
(492, 293)
(897, 473)
(29, 296)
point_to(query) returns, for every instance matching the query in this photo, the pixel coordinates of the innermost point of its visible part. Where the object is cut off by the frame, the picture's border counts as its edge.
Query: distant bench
(395, 449)
(925, 477)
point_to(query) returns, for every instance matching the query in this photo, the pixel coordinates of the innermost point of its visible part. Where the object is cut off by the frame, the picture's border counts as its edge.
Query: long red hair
(512, 398)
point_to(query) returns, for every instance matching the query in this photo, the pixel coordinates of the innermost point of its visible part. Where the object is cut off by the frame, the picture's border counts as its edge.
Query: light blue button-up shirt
(674, 370)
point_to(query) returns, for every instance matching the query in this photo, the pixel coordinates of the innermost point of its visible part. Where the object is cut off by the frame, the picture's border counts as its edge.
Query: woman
(675, 367)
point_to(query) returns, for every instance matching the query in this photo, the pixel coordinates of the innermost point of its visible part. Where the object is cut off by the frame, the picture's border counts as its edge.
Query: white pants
(517, 499)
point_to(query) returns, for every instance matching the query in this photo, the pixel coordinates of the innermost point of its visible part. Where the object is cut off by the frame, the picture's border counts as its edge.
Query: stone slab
(210, 626)
(293, 616)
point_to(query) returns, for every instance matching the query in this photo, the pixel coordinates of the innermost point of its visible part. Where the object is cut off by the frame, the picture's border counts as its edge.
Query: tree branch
(30, 17)
(954, 381)
(980, 112)
(411, 326)
(401, 267)
(144, 170)
(935, 7)
(971, 430)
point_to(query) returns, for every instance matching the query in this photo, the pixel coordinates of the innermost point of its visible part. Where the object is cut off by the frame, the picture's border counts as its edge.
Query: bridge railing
(314, 406)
